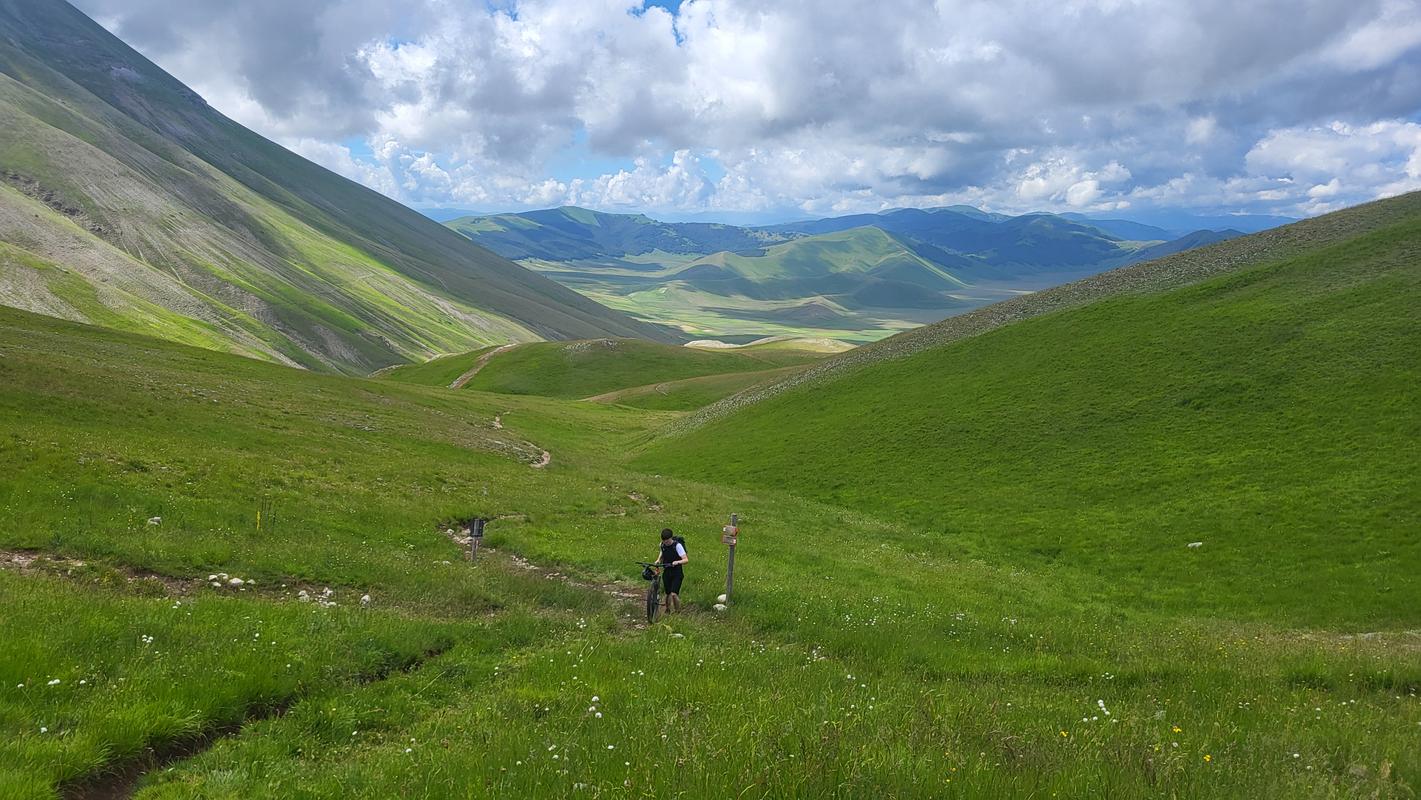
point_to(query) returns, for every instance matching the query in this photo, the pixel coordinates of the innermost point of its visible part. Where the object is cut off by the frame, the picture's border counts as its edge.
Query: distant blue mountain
(1181, 223)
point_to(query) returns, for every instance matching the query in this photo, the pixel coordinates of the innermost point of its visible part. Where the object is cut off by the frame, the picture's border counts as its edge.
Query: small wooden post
(730, 537)
(476, 535)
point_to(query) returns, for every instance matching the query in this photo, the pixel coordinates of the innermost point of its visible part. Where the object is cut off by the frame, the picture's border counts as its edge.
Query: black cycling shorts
(671, 580)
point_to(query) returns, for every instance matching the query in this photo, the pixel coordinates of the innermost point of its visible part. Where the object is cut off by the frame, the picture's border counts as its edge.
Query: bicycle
(652, 573)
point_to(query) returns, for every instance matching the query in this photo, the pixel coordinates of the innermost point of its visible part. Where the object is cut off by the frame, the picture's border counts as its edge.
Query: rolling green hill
(857, 267)
(864, 652)
(857, 278)
(441, 371)
(127, 201)
(1259, 396)
(688, 394)
(572, 234)
(585, 368)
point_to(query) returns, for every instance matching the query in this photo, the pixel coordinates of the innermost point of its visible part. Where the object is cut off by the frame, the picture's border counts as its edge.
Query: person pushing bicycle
(673, 557)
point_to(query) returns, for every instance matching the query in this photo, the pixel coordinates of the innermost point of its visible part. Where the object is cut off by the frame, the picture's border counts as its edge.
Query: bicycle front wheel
(653, 601)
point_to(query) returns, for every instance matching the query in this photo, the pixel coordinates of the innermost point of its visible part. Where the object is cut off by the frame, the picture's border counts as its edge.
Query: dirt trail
(617, 591)
(478, 365)
(34, 562)
(544, 457)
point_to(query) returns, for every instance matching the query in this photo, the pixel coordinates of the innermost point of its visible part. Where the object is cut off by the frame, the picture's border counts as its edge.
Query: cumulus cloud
(818, 106)
(1326, 163)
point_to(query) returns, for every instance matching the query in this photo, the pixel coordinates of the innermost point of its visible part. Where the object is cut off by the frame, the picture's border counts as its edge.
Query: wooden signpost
(730, 534)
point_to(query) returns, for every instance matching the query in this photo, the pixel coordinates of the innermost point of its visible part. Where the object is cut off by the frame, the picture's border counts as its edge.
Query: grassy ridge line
(689, 393)
(574, 370)
(591, 367)
(1154, 276)
(439, 371)
(148, 225)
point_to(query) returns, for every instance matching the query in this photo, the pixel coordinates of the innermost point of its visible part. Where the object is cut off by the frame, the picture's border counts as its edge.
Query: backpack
(681, 540)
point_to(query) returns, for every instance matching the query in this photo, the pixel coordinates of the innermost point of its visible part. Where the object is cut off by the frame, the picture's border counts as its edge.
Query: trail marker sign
(729, 534)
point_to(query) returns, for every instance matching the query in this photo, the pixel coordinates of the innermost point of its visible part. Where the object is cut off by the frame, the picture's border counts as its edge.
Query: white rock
(720, 606)
(326, 592)
(722, 599)
(678, 636)
(212, 577)
(1195, 544)
(235, 582)
(365, 599)
(303, 596)
(155, 520)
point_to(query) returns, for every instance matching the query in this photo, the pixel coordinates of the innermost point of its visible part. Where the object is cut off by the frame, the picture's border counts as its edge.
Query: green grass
(866, 651)
(1270, 413)
(689, 393)
(441, 371)
(574, 370)
(857, 251)
(91, 676)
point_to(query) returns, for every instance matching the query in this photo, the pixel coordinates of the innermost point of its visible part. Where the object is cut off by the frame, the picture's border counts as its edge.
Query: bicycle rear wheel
(653, 601)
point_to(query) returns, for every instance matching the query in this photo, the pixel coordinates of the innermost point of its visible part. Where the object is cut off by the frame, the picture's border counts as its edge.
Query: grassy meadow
(904, 629)
(586, 368)
(1270, 414)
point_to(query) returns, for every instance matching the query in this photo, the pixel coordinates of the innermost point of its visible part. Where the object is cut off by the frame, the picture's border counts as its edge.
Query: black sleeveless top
(669, 555)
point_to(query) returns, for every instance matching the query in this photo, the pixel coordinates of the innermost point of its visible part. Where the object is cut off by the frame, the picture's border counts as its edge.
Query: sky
(775, 109)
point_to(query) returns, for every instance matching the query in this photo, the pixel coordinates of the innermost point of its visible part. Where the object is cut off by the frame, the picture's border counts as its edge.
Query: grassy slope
(202, 217)
(689, 394)
(184, 242)
(441, 371)
(1172, 271)
(804, 267)
(1271, 413)
(857, 658)
(581, 369)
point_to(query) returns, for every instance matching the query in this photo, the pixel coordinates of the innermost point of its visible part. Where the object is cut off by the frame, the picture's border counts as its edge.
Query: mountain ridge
(719, 280)
(137, 204)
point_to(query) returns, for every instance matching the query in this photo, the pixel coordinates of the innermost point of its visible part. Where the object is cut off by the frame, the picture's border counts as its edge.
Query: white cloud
(817, 105)
(1340, 163)
(1201, 130)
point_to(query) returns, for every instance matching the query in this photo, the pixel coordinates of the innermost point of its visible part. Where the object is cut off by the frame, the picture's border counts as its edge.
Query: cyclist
(673, 556)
